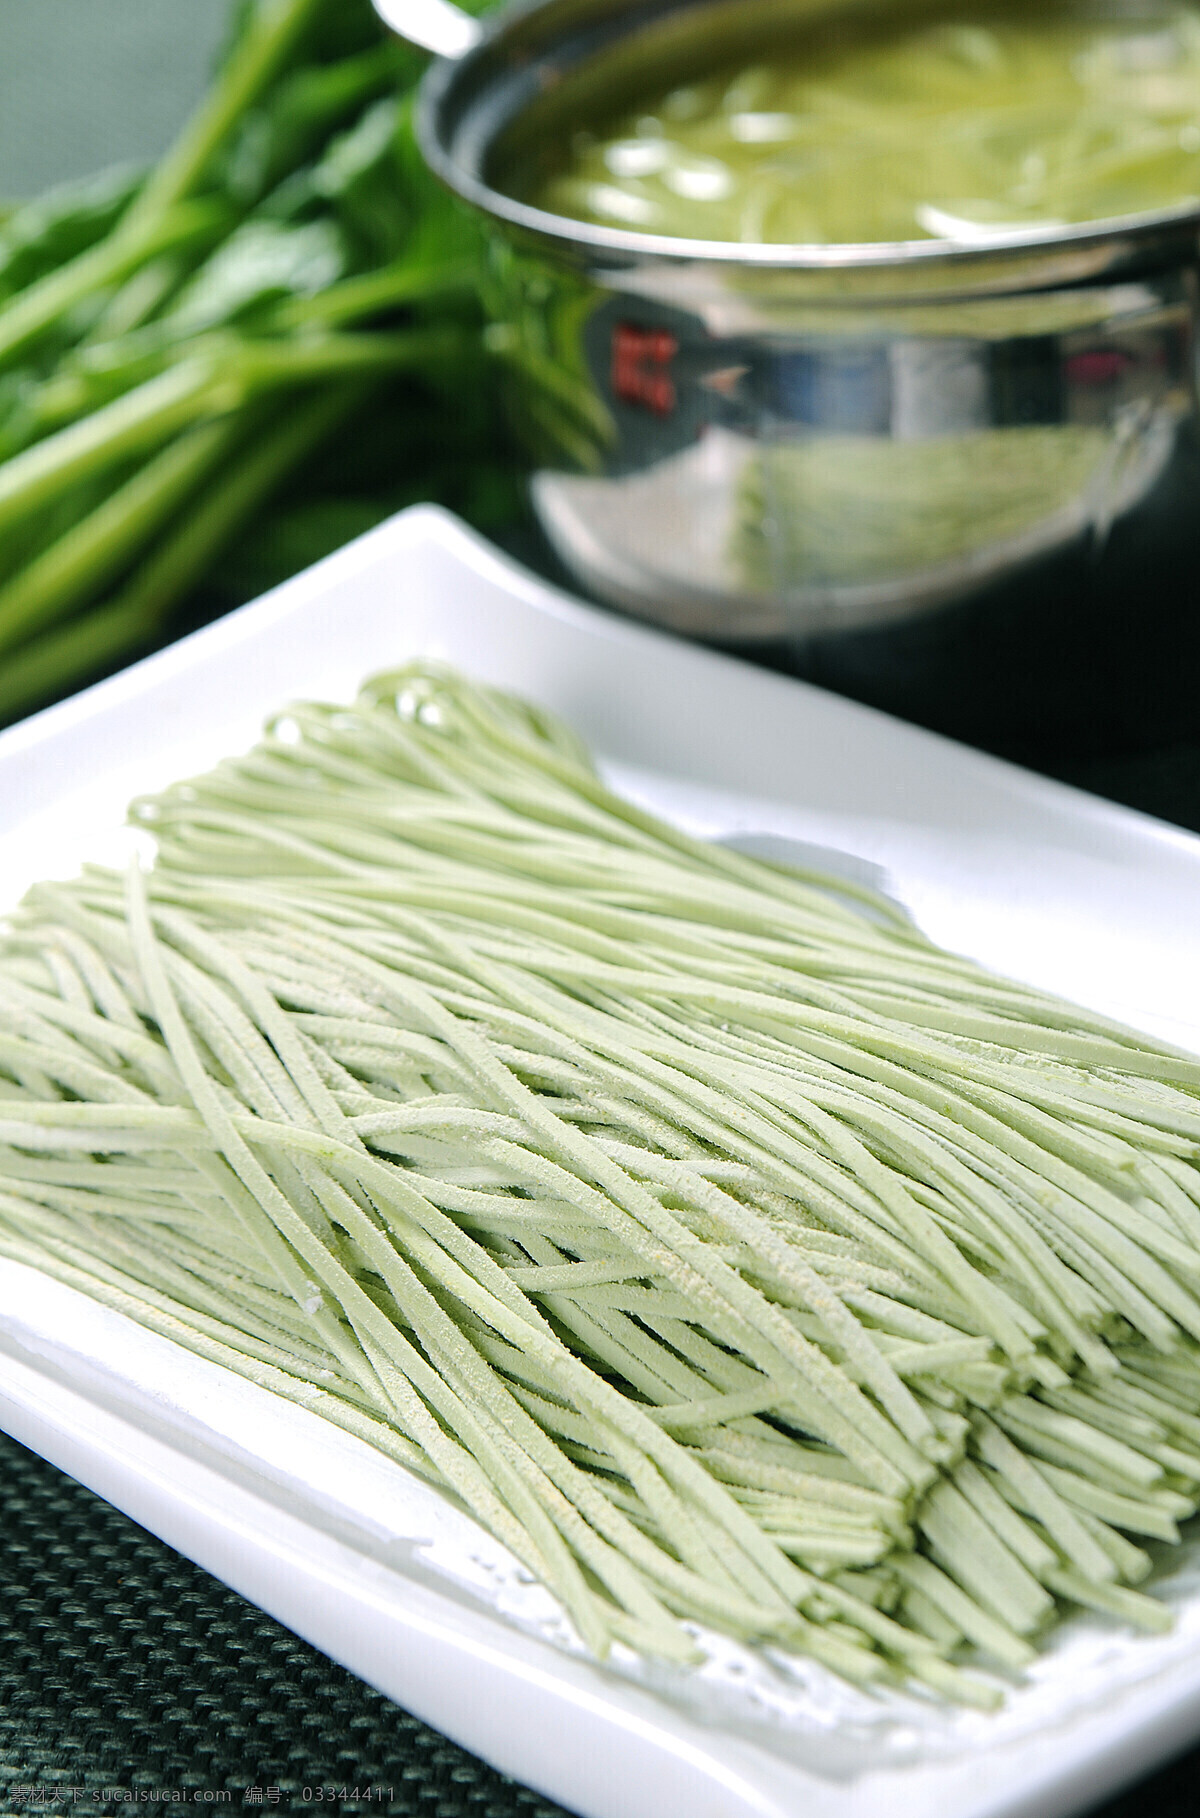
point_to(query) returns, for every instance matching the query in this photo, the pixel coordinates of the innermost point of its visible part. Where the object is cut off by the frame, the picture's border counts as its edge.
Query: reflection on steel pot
(756, 442)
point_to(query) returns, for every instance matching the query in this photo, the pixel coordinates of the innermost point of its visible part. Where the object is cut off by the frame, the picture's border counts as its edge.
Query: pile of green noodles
(986, 124)
(740, 1259)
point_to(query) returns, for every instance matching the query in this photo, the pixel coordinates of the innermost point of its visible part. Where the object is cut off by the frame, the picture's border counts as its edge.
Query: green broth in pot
(967, 129)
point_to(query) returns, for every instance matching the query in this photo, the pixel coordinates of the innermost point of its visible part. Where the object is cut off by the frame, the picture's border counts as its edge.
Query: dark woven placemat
(126, 1670)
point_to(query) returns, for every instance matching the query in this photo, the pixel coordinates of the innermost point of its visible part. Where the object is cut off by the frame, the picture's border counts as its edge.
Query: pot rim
(1124, 232)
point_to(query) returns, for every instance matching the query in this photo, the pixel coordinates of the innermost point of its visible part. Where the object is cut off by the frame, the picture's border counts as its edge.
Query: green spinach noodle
(985, 123)
(740, 1259)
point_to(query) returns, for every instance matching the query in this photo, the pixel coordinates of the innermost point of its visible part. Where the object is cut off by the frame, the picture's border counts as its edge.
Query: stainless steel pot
(759, 442)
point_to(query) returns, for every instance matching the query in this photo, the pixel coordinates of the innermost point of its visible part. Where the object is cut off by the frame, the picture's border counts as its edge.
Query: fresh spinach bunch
(188, 354)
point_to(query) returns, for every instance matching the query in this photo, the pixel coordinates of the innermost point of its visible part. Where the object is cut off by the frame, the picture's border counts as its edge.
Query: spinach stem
(213, 380)
(73, 653)
(92, 553)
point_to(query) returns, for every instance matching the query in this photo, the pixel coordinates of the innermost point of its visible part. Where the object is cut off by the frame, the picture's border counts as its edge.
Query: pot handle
(436, 25)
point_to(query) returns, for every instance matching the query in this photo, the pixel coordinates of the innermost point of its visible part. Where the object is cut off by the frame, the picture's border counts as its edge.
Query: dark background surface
(121, 1664)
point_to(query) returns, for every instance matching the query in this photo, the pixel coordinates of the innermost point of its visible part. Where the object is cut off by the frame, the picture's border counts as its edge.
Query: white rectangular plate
(1036, 880)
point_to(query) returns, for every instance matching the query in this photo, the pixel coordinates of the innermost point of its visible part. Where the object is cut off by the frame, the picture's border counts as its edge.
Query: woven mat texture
(125, 1667)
